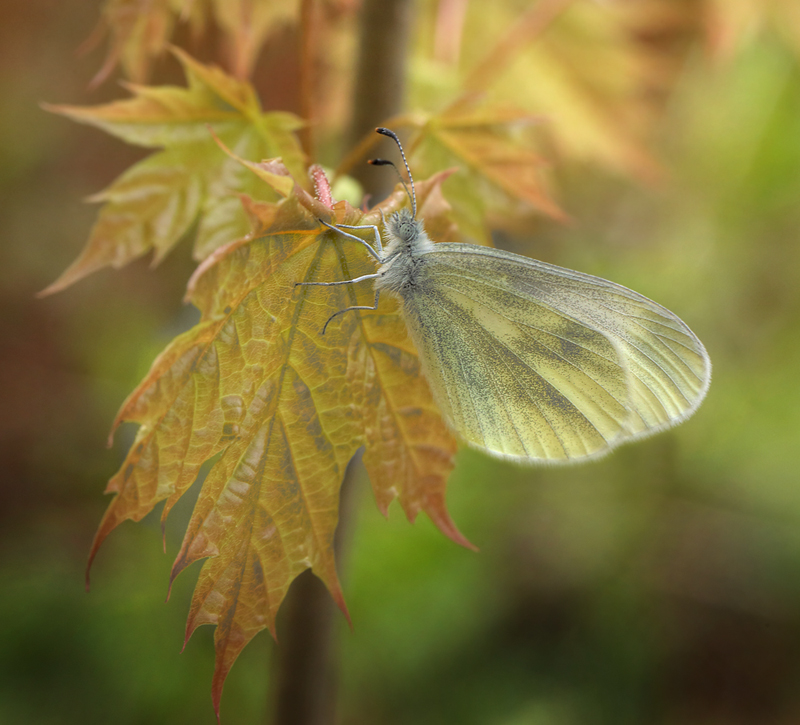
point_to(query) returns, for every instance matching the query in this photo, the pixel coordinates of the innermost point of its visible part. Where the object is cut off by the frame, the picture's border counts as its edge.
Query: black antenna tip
(380, 162)
(386, 132)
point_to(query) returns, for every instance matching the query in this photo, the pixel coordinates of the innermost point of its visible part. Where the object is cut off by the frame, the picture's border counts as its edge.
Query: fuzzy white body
(407, 242)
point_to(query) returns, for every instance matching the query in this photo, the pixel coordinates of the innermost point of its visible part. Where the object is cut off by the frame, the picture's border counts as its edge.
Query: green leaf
(191, 184)
(284, 409)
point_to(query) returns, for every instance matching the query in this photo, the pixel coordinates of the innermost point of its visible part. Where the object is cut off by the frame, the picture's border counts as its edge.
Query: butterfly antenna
(392, 135)
(386, 162)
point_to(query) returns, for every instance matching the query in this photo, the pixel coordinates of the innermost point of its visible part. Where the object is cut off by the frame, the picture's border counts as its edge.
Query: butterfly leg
(344, 281)
(377, 255)
(349, 309)
(374, 229)
(331, 284)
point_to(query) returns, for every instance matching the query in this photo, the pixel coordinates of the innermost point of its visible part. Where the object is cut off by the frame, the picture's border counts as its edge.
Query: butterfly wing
(534, 362)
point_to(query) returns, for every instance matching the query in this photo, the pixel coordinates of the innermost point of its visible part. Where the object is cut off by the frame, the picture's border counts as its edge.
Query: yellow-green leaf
(140, 30)
(495, 154)
(284, 409)
(585, 71)
(191, 181)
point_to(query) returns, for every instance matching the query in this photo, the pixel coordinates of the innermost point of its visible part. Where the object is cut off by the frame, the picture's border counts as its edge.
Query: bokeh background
(659, 585)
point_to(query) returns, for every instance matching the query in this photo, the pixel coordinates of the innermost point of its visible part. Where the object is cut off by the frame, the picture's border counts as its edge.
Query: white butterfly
(529, 361)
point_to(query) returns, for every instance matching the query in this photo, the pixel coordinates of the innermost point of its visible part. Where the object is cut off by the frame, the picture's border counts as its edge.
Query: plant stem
(305, 687)
(306, 671)
(308, 56)
(380, 80)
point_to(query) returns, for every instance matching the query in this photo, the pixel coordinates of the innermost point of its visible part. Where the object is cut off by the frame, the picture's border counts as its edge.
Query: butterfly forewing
(541, 388)
(535, 362)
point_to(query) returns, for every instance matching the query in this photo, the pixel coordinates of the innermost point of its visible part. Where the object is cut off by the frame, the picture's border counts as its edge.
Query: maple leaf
(578, 67)
(732, 23)
(586, 69)
(499, 160)
(191, 181)
(140, 30)
(498, 166)
(283, 409)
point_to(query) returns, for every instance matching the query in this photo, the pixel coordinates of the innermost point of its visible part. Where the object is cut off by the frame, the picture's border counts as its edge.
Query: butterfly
(526, 360)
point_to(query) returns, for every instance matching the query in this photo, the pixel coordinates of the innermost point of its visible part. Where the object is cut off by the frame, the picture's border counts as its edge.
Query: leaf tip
(220, 674)
(80, 268)
(87, 574)
(51, 289)
(338, 597)
(465, 542)
(99, 538)
(190, 627)
(438, 514)
(180, 563)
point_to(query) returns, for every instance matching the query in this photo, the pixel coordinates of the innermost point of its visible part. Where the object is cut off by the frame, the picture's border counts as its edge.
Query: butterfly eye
(406, 231)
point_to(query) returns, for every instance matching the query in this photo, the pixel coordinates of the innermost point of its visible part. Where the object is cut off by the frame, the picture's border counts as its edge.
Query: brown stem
(380, 82)
(306, 669)
(450, 17)
(308, 55)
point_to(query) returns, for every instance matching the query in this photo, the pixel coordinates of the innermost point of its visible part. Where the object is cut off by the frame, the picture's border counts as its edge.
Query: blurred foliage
(659, 585)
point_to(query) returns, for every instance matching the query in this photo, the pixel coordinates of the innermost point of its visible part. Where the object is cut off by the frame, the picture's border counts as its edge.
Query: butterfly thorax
(406, 244)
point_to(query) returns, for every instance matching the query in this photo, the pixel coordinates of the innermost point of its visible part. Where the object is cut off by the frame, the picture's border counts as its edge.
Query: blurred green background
(660, 585)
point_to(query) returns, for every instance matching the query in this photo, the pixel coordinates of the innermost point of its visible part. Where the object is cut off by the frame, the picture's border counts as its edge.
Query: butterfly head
(403, 226)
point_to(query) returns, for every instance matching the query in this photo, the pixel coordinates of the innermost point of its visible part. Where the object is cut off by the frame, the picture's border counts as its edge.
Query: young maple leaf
(140, 30)
(284, 409)
(191, 181)
(497, 166)
(732, 23)
(580, 64)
